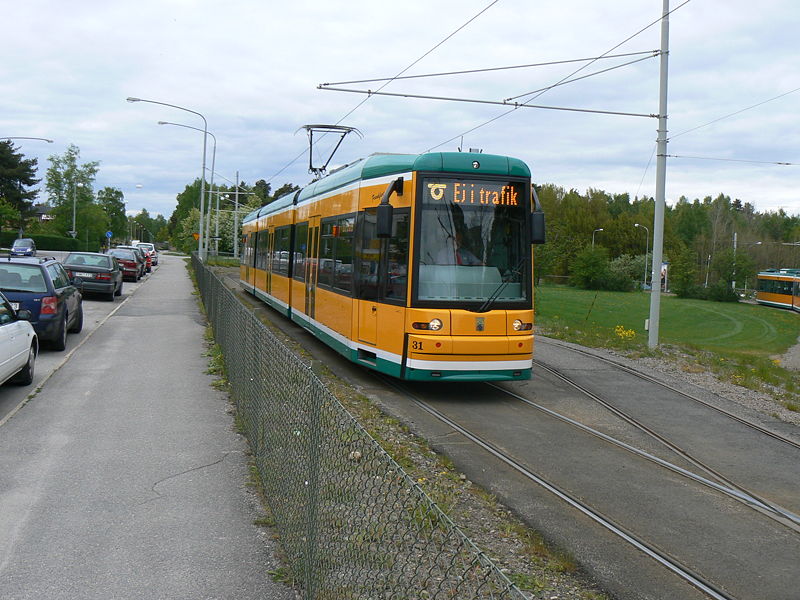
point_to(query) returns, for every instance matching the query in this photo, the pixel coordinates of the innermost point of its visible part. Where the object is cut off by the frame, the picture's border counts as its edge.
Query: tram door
(312, 265)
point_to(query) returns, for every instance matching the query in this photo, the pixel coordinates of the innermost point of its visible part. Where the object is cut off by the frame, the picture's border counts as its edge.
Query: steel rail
(775, 512)
(645, 377)
(660, 556)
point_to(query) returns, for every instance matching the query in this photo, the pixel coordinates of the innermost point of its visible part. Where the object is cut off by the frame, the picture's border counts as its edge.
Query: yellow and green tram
(418, 266)
(780, 288)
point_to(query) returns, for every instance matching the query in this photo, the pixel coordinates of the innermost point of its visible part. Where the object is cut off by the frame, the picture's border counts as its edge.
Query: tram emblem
(480, 323)
(437, 190)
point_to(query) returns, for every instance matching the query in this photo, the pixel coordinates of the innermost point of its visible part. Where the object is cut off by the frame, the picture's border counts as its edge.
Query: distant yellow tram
(779, 287)
(418, 266)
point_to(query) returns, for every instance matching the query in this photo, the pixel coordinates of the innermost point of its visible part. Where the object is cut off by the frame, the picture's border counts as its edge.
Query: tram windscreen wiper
(490, 301)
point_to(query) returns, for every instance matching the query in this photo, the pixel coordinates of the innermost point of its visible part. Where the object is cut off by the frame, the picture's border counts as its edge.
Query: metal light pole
(733, 283)
(20, 137)
(646, 251)
(661, 182)
(211, 183)
(236, 218)
(595, 231)
(75, 185)
(200, 246)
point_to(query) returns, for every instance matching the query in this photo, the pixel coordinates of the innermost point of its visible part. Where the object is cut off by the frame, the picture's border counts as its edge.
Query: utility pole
(236, 218)
(661, 181)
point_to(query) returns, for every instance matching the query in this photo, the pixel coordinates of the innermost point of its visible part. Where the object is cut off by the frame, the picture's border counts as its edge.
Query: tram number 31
(416, 345)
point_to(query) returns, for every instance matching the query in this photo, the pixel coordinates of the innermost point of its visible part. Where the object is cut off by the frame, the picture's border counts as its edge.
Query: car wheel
(118, 291)
(25, 375)
(78, 324)
(61, 339)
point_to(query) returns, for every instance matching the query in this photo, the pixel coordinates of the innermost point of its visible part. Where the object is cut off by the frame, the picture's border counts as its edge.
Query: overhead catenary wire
(537, 94)
(734, 113)
(360, 104)
(490, 69)
(741, 160)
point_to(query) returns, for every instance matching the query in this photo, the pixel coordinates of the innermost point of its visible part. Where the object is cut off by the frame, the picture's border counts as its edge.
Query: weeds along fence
(352, 523)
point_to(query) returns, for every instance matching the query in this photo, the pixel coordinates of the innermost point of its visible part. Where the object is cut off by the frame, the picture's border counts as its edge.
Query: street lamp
(200, 246)
(18, 137)
(595, 231)
(75, 185)
(211, 183)
(646, 251)
(733, 283)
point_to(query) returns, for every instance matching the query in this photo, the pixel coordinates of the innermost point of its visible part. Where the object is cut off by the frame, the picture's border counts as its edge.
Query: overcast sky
(252, 69)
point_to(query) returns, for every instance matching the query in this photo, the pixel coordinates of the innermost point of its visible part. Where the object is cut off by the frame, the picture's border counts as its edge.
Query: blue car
(23, 247)
(42, 286)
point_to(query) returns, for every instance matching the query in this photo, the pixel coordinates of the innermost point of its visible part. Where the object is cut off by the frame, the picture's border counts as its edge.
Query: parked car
(150, 248)
(42, 286)
(129, 261)
(100, 273)
(19, 345)
(23, 247)
(147, 264)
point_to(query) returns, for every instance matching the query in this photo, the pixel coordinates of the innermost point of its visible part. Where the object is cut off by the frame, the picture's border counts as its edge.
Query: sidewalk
(124, 477)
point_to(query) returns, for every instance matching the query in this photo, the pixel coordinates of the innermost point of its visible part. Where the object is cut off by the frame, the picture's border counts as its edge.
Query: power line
(360, 104)
(500, 116)
(501, 103)
(762, 162)
(470, 71)
(734, 113)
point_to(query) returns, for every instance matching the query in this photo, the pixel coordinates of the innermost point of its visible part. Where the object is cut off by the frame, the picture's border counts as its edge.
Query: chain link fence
(353, 524)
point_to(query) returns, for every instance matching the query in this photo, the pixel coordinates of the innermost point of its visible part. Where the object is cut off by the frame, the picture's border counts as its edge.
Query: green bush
(47, 242)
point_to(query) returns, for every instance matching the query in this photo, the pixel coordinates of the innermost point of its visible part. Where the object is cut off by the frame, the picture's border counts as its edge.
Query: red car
(148, 261)
(129, 262)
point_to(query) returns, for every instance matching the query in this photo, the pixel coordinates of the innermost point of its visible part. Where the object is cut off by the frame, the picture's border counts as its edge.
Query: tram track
(725, 485)
(653, 380)
(661, 556)
(699, 472)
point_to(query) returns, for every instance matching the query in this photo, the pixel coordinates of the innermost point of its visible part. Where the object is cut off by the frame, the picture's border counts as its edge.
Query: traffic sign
(109, 234)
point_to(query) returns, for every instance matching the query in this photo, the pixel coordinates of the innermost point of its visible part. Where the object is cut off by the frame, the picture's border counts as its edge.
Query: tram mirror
(385, 210)
(537, 227)
(384, 220)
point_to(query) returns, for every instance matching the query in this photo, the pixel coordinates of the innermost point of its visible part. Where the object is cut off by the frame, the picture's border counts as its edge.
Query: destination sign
(479, 192)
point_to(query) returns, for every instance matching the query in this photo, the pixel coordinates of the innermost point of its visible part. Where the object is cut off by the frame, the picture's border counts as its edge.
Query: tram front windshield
(472, 244)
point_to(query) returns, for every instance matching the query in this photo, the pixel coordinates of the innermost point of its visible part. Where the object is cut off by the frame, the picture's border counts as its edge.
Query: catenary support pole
(661, 179)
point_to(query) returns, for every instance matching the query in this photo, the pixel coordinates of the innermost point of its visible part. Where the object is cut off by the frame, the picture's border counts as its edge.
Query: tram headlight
(432, 325)
(520, 326)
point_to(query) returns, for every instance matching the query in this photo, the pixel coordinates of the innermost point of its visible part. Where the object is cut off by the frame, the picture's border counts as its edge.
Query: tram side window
(300, 251)
(397, 255)
(343, 262)
(262, 247)
(383, 266)
(336, 254)
(280, 252)
(775, 286)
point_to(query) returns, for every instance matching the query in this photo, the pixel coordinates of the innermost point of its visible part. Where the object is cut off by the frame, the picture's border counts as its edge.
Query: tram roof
(382, 165)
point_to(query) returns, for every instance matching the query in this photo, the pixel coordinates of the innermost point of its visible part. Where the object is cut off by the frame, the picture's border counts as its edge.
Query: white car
(18, 344)
(151, 249)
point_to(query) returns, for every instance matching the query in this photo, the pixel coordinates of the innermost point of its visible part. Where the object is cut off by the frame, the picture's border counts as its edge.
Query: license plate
(84, 275)
(15, 305)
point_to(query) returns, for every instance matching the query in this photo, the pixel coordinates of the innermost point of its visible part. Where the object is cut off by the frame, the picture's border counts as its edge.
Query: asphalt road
(123, 477)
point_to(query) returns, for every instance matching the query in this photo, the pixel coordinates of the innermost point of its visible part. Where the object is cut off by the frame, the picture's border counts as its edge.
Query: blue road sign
(109, 234)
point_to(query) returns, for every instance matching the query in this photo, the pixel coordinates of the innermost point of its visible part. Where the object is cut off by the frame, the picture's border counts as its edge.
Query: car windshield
(472, 241)
(123, 254)
(23, 243)
(22, 278)
(91, 260)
